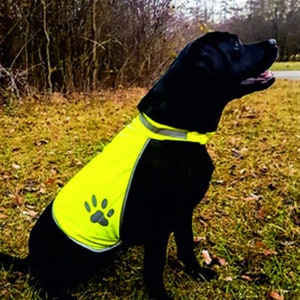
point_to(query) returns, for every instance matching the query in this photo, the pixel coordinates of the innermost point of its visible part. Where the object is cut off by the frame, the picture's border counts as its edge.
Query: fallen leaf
(251, 116)
(206, 257)
(232, 140)
(246, 277)
(199, 239)
(222, 261)
(261, 214)
(269, 252)
(243, 171)
(19, 200)
(42, 190)
(250, 198)
(276, 296)
(3, 216)
(288, 243)
(51, 180)
(236, 153)
(257, 278)
(228, 278)
(244, 150)
(30, 213)
(260, 244)
(4, 176)
(16, 166)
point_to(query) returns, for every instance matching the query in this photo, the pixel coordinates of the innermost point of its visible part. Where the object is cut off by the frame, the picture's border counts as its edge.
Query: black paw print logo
(99, 216)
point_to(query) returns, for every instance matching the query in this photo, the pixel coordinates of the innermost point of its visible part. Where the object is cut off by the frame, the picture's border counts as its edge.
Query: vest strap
(163, 131)
(174, 133)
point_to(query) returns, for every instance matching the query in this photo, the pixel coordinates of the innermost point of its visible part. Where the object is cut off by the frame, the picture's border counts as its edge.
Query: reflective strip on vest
(89, 208)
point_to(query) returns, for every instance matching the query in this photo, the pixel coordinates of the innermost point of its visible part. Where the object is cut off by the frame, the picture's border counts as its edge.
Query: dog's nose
(272, 42)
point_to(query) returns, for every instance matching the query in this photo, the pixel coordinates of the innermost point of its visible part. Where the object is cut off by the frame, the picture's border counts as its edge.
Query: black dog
(168, 172)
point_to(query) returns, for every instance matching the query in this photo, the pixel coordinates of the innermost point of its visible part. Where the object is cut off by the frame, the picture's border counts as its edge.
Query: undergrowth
(249, 220)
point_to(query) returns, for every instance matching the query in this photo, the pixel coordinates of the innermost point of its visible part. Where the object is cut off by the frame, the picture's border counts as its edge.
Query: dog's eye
(236, 46)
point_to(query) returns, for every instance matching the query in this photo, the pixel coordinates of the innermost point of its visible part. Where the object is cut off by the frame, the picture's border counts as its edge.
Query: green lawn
(249, 220)
(286, 66)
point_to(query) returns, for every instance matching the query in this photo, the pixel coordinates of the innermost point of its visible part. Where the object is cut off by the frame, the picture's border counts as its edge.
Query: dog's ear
(184, 94)
(195, 65)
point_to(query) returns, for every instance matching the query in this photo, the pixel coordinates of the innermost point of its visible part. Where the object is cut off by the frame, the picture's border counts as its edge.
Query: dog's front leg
(184, 241)
(185, 249)
(154, 264)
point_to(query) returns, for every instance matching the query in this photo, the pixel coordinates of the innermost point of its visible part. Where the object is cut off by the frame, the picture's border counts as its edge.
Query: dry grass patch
(249, 221)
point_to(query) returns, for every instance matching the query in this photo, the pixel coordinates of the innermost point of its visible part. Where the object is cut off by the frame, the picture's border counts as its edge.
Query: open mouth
(263, 78)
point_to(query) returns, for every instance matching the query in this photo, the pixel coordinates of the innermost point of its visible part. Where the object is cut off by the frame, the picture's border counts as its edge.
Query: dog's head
(206, 75)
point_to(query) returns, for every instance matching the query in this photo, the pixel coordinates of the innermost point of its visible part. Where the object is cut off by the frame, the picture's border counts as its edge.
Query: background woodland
(84, 45)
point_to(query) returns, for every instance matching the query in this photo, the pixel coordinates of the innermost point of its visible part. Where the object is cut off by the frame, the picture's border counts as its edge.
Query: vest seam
(129, 184)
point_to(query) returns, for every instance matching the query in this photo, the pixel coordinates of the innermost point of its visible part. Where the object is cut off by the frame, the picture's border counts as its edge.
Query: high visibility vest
(89, 208)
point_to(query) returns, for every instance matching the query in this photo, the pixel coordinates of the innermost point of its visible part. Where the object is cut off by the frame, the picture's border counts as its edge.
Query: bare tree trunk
(94, 50)
(48, 62)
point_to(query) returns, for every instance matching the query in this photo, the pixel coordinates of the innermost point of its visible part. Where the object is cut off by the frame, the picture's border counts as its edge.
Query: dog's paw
(202, 274)
(99, 216)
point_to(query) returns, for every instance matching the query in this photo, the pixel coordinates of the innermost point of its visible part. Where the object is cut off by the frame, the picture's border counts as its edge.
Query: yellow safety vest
(89, 208)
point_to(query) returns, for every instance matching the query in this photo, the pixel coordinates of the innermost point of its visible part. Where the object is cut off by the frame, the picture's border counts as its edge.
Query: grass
(286, 66)
(249, 220)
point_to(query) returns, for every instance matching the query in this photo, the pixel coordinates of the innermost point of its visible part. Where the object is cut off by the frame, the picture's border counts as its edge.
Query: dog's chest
(171, 177)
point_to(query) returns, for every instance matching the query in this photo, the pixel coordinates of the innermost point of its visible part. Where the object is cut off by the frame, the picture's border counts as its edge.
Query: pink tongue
(266, 74)
(263, 77)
